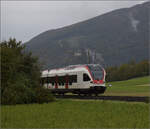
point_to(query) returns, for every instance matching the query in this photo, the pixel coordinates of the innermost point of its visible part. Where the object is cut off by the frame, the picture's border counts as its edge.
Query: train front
(98, 78)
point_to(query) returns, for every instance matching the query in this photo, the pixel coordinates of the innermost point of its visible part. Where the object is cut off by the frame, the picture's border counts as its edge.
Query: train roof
(67, 69)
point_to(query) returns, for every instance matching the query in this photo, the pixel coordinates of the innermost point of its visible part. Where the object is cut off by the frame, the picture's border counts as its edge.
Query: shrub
(43, 95)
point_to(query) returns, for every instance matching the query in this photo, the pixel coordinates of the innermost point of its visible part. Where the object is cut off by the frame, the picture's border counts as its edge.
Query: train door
(66, 81)
(56, 82)
(86, 80)
(79, 80)
(74, 81)
(52, 82)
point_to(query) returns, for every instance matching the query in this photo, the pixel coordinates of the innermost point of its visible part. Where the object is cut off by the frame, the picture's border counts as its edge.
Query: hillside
(133, 87)
(110, 39)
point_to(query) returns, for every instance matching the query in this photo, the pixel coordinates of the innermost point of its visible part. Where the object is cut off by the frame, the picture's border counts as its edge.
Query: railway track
(115, 98)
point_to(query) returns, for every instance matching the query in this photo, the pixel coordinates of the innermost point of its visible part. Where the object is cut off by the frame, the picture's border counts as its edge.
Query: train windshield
(96, 72)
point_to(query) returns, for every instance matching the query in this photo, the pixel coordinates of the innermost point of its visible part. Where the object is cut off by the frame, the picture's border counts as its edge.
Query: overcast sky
(26, 19)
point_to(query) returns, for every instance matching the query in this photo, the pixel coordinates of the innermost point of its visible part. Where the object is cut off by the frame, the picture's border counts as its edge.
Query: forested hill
(113, 38)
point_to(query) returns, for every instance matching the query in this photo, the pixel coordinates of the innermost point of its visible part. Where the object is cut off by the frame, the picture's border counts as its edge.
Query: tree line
(128, 71)
(20, 75)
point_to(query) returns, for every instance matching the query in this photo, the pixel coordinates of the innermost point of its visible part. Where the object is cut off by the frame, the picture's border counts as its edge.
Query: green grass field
(133, 87)
(76, 114)
(84, 113)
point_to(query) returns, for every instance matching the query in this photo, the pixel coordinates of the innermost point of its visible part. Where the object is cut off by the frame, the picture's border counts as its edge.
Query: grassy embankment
(133, 87)
(77, 114)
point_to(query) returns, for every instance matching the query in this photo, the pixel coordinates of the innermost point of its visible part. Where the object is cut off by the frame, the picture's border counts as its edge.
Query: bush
(43, 95)
(25, 95)
(15, 95)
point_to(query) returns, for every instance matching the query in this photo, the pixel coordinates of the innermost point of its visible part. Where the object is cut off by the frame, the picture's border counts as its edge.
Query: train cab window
(86, 77)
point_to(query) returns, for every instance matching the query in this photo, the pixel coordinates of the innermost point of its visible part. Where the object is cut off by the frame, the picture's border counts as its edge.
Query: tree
(128, 71)
(20, 74)
(11, 53)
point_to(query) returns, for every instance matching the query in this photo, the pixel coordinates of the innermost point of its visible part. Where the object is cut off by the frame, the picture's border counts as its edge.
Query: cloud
(26, 19)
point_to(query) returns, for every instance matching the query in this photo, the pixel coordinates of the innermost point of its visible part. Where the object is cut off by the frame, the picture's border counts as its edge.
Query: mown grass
(133, 87)
(76, 114)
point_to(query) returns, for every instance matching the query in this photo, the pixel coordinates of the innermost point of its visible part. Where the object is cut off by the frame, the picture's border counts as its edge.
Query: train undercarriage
(89, 91)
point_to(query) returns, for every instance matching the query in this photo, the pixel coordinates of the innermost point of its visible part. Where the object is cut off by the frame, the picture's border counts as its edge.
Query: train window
(47, 79)
(51, 79)
(96, 71)
(86, 77)
(61, 79)
(72, 78)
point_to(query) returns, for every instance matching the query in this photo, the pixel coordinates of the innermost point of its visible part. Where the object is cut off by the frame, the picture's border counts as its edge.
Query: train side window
(74, 78)
(47, 79)
(61, 80)
(51, 80)
(86, 77)
(70, 83)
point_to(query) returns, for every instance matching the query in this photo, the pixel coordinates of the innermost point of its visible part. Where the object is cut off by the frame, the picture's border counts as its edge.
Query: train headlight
(109, 85)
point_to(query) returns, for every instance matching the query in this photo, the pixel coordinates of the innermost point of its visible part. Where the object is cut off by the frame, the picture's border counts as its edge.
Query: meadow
(68, 113)
(76, 114)
(133, 87)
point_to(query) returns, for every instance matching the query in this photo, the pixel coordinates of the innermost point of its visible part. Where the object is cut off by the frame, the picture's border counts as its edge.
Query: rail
(115, 98)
